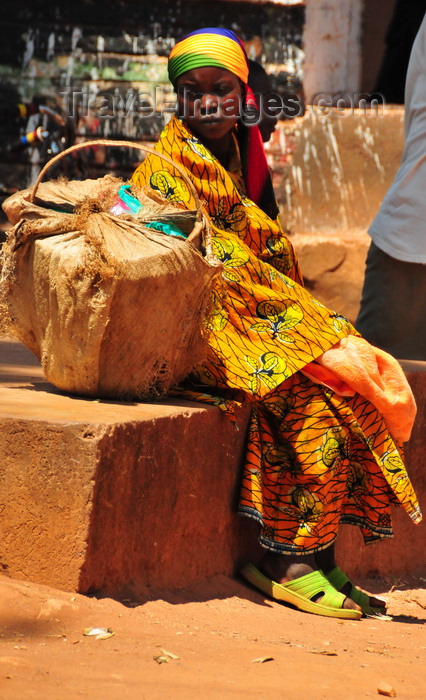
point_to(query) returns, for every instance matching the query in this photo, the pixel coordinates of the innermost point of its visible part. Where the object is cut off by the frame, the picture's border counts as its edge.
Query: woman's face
(209, 101)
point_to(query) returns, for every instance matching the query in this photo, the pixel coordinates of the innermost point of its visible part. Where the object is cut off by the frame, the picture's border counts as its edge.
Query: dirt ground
(219, 640)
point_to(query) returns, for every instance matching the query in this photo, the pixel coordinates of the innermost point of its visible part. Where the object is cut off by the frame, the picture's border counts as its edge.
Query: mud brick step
(129, 498)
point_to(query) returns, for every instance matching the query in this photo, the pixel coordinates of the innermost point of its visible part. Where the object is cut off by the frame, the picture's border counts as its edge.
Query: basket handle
(201, 218)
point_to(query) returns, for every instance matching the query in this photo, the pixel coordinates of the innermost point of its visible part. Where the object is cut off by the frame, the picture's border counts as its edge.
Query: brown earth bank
(220, 639)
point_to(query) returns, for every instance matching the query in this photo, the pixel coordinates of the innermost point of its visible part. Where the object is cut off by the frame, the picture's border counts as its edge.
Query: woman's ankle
(325, 559)
(282, 568)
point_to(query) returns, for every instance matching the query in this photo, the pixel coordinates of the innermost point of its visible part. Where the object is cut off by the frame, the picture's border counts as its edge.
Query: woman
(316, 457)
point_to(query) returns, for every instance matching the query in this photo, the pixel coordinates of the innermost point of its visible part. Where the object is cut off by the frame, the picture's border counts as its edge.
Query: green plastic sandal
(300, 592)
(338, 579)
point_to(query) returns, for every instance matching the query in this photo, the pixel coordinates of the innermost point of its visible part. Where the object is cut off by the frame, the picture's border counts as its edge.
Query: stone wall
(338, 166)
(331, 170)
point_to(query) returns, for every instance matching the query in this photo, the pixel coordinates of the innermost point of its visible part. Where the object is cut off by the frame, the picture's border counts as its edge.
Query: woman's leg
(306, 472)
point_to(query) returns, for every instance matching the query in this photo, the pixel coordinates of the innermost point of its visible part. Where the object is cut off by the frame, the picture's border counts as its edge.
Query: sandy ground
(219, 640)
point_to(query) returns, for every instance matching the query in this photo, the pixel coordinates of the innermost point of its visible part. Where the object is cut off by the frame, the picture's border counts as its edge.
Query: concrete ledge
(98, 495)
(123, 498)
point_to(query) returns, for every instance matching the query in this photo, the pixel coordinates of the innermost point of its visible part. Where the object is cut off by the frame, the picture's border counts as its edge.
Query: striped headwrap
(209, 47)
(222, 48)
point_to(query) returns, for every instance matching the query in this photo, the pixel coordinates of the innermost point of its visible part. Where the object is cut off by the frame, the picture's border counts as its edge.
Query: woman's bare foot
(325, 560)
(283, 568)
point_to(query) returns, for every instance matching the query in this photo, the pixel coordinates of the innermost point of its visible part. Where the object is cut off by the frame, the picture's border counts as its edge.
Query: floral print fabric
(314, 459)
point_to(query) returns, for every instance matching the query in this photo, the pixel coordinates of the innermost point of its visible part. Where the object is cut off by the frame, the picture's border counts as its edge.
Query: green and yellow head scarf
(212, 46)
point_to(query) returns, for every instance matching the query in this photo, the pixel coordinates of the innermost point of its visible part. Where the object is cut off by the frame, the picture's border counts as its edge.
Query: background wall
(102, 67)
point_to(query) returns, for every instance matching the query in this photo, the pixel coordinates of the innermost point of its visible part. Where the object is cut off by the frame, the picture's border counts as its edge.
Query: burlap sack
(110, 307)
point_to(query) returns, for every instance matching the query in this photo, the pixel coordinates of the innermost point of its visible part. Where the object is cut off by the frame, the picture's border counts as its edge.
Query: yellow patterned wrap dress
(314, 459)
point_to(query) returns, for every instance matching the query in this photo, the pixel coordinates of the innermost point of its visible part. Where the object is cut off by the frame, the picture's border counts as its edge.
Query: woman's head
(209, 70)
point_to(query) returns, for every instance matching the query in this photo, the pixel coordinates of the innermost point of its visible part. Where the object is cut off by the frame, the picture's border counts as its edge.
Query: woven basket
(111, 308)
